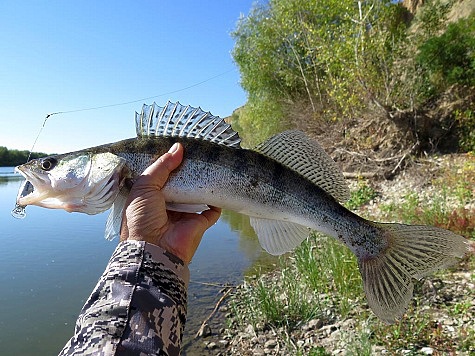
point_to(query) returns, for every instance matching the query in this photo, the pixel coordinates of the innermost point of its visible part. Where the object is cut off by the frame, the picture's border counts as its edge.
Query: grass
(448, 207)
(361, 196)
(320, 279)
(290, 298)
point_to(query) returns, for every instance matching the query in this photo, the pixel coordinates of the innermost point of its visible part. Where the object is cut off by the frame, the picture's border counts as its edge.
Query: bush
(450, 58)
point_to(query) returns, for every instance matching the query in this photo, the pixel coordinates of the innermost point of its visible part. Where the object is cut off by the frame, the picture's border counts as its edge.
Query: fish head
(83, 182)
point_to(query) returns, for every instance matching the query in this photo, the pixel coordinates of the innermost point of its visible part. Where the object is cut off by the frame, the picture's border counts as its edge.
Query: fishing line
(121, 104)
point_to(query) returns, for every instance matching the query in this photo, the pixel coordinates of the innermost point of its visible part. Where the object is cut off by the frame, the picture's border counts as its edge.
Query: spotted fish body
(286, 185)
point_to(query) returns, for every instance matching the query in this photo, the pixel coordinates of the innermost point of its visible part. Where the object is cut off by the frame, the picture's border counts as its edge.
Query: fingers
(212, 215)
(157, 173)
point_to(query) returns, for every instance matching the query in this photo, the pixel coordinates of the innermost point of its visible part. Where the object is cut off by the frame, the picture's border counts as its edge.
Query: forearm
(138, 305)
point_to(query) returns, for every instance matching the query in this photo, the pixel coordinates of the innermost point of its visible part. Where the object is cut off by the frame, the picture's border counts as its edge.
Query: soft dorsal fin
(305, 156)
(176, 120)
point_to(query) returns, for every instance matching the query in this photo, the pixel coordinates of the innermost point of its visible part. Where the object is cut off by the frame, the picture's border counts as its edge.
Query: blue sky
(69, 55)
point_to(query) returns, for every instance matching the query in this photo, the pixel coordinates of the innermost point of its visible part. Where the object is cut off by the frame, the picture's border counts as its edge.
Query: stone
(258, 352)
(315, 324)
(205, 331)
(260, 326)
(249, 329)
(211, 346)
(270, 344)
(427, 350)
(224, 343)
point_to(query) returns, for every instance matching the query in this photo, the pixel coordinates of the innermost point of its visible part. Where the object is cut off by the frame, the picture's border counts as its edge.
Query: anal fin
(278, 237)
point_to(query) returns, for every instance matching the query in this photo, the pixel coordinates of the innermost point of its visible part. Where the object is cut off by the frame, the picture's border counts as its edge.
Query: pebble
(211, 346)
(205, 332)
(315, 324)
(270, 344)
(224, 343)
(427, 350)
(249, 329)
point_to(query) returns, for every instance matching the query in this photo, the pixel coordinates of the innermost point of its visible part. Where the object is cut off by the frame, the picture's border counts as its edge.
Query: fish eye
(48, 163)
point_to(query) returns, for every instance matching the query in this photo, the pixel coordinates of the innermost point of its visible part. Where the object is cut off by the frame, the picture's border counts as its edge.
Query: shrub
(450, 58)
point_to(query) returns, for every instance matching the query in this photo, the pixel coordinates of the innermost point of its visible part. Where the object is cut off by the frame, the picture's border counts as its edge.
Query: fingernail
(174, 148)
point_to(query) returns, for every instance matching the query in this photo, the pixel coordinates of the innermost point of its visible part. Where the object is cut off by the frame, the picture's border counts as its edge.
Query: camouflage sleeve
(138, 307)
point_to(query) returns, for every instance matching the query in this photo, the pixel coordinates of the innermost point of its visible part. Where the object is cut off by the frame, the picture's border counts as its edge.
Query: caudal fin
(413, 252)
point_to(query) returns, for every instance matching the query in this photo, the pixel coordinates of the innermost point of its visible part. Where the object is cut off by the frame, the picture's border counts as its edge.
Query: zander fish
(286, 185)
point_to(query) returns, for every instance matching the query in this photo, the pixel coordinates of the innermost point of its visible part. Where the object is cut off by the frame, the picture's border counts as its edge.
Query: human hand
(146, 218)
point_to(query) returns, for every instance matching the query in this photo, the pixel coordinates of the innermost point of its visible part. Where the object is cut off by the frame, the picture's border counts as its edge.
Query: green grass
(321, 274)
(361, 196)
(329, 267)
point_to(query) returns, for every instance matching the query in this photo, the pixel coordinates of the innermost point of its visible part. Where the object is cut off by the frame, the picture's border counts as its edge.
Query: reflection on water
(239, 223)
(51, 260)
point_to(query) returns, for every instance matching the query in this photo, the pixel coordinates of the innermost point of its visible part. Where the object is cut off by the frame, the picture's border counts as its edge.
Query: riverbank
(279, 313)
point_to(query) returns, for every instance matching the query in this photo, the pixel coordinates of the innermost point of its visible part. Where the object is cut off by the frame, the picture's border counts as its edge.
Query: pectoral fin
(114, 221)
(187, 208)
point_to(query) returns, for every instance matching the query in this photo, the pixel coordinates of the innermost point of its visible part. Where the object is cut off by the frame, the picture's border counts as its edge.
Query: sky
(60, 56)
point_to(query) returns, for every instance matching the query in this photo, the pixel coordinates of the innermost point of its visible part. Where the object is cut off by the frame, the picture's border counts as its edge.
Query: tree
(330, 55)
(15, 157)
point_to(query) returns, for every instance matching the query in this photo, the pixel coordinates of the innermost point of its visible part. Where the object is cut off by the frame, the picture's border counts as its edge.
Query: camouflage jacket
(138, 306)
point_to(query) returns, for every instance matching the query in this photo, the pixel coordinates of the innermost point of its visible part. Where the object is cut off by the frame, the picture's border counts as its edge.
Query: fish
(288, 185)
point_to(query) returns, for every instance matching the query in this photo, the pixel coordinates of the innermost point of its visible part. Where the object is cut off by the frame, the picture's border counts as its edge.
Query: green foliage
(15, 157)
(466, 123)
(363, 195)
(328, 266)
(450, 58)
(432, 16)
(447, 206)
(256, 122)
(438, 212)
(318, 351)
(318, 52)
(302, 61)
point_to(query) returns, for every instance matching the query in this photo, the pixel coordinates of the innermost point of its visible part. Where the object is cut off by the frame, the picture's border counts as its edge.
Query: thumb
(157, 173)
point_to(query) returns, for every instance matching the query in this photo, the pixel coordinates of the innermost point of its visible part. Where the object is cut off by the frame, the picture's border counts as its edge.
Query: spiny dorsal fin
(305, 156)
(176, 120)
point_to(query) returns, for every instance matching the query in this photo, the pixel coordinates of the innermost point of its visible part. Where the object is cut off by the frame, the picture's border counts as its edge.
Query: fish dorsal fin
(176, 120)
(300, 153)
(278, 237)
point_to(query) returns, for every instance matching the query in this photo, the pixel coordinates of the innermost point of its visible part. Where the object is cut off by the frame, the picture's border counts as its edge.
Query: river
(51, 260)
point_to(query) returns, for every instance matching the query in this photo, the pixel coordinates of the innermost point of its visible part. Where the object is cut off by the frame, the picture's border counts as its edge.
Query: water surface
(51, 260)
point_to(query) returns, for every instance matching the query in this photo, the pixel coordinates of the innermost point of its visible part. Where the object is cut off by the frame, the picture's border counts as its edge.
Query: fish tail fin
(412, 252)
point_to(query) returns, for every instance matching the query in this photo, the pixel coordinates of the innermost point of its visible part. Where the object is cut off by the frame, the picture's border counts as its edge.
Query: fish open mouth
(27, 193)
(26, 189)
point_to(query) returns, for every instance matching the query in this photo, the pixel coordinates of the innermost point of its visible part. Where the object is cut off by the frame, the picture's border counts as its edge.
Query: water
(51, 260)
